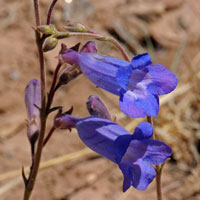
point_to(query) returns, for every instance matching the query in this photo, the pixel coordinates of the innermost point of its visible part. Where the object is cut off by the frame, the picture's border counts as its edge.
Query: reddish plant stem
(37, 157)
(49, 135)
(96, 36)
(51, 7)
(37, 12)
(52, 89)
(158, 169)
(34, 169)
(158, 183)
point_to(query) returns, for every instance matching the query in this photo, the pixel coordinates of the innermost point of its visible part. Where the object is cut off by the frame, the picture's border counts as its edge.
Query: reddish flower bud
(32, 101)
(69, 74)
(97, 108)
(89, 47)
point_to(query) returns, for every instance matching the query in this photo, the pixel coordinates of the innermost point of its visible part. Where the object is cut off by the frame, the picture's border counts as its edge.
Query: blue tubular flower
(137, 83)
(135, 154)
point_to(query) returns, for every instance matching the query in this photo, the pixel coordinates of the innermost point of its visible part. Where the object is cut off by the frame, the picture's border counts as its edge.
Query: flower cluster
(138, 85)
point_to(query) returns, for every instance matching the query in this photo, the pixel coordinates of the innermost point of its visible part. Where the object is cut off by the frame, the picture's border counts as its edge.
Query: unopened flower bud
(89, 47)
(32, 101)
(97, 108)
(75, 27)
(47, 29)
(50, 43)
(69, 74)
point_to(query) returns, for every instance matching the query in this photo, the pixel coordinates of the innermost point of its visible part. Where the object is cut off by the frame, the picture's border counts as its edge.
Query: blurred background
(169, 30)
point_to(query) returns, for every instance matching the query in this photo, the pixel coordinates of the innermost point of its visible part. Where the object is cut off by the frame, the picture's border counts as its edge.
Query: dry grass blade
(49, 163)
(11, 184)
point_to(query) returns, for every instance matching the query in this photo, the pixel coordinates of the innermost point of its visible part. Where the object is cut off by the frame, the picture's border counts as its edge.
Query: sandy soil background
(168, 30)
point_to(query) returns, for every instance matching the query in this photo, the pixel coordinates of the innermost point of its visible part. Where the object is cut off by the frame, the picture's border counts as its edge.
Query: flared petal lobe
(139, 175)
(139, 103)
(162, 81)
(138, 159)
(141, 61)
(156, 151)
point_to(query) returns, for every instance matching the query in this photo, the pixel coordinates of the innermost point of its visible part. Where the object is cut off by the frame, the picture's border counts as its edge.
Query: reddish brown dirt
(175, 36)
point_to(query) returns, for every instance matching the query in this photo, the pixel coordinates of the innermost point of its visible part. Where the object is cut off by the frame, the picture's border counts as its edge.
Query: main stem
(158, 170)
(35, 166)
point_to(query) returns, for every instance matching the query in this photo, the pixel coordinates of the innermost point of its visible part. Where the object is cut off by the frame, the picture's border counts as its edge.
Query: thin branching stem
(158, 169)
(158, 183)
(52, 90)
(37, 158)
(51, 7)
(37, 12)
(49, 135)
(35, 166)
(96, 36)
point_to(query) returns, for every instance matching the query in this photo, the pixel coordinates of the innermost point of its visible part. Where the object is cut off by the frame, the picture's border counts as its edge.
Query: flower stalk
(52, 90)
(158, 169)
(29, 184)
(51, 7)
(62, 35)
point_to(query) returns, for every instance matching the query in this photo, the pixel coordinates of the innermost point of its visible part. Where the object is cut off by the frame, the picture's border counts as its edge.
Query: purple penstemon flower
(135, 154)
(137, 83)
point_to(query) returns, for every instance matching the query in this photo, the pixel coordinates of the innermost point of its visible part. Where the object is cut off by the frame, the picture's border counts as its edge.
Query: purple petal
(141, 61)
(101, 72)
(100, 135)
(156, 151)
(139, 103)
(123, 75)
(143, 131)
(143, 174)
(139, 174)
(162, 81)
(149, 150)
(130, 79)
(128, 177)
